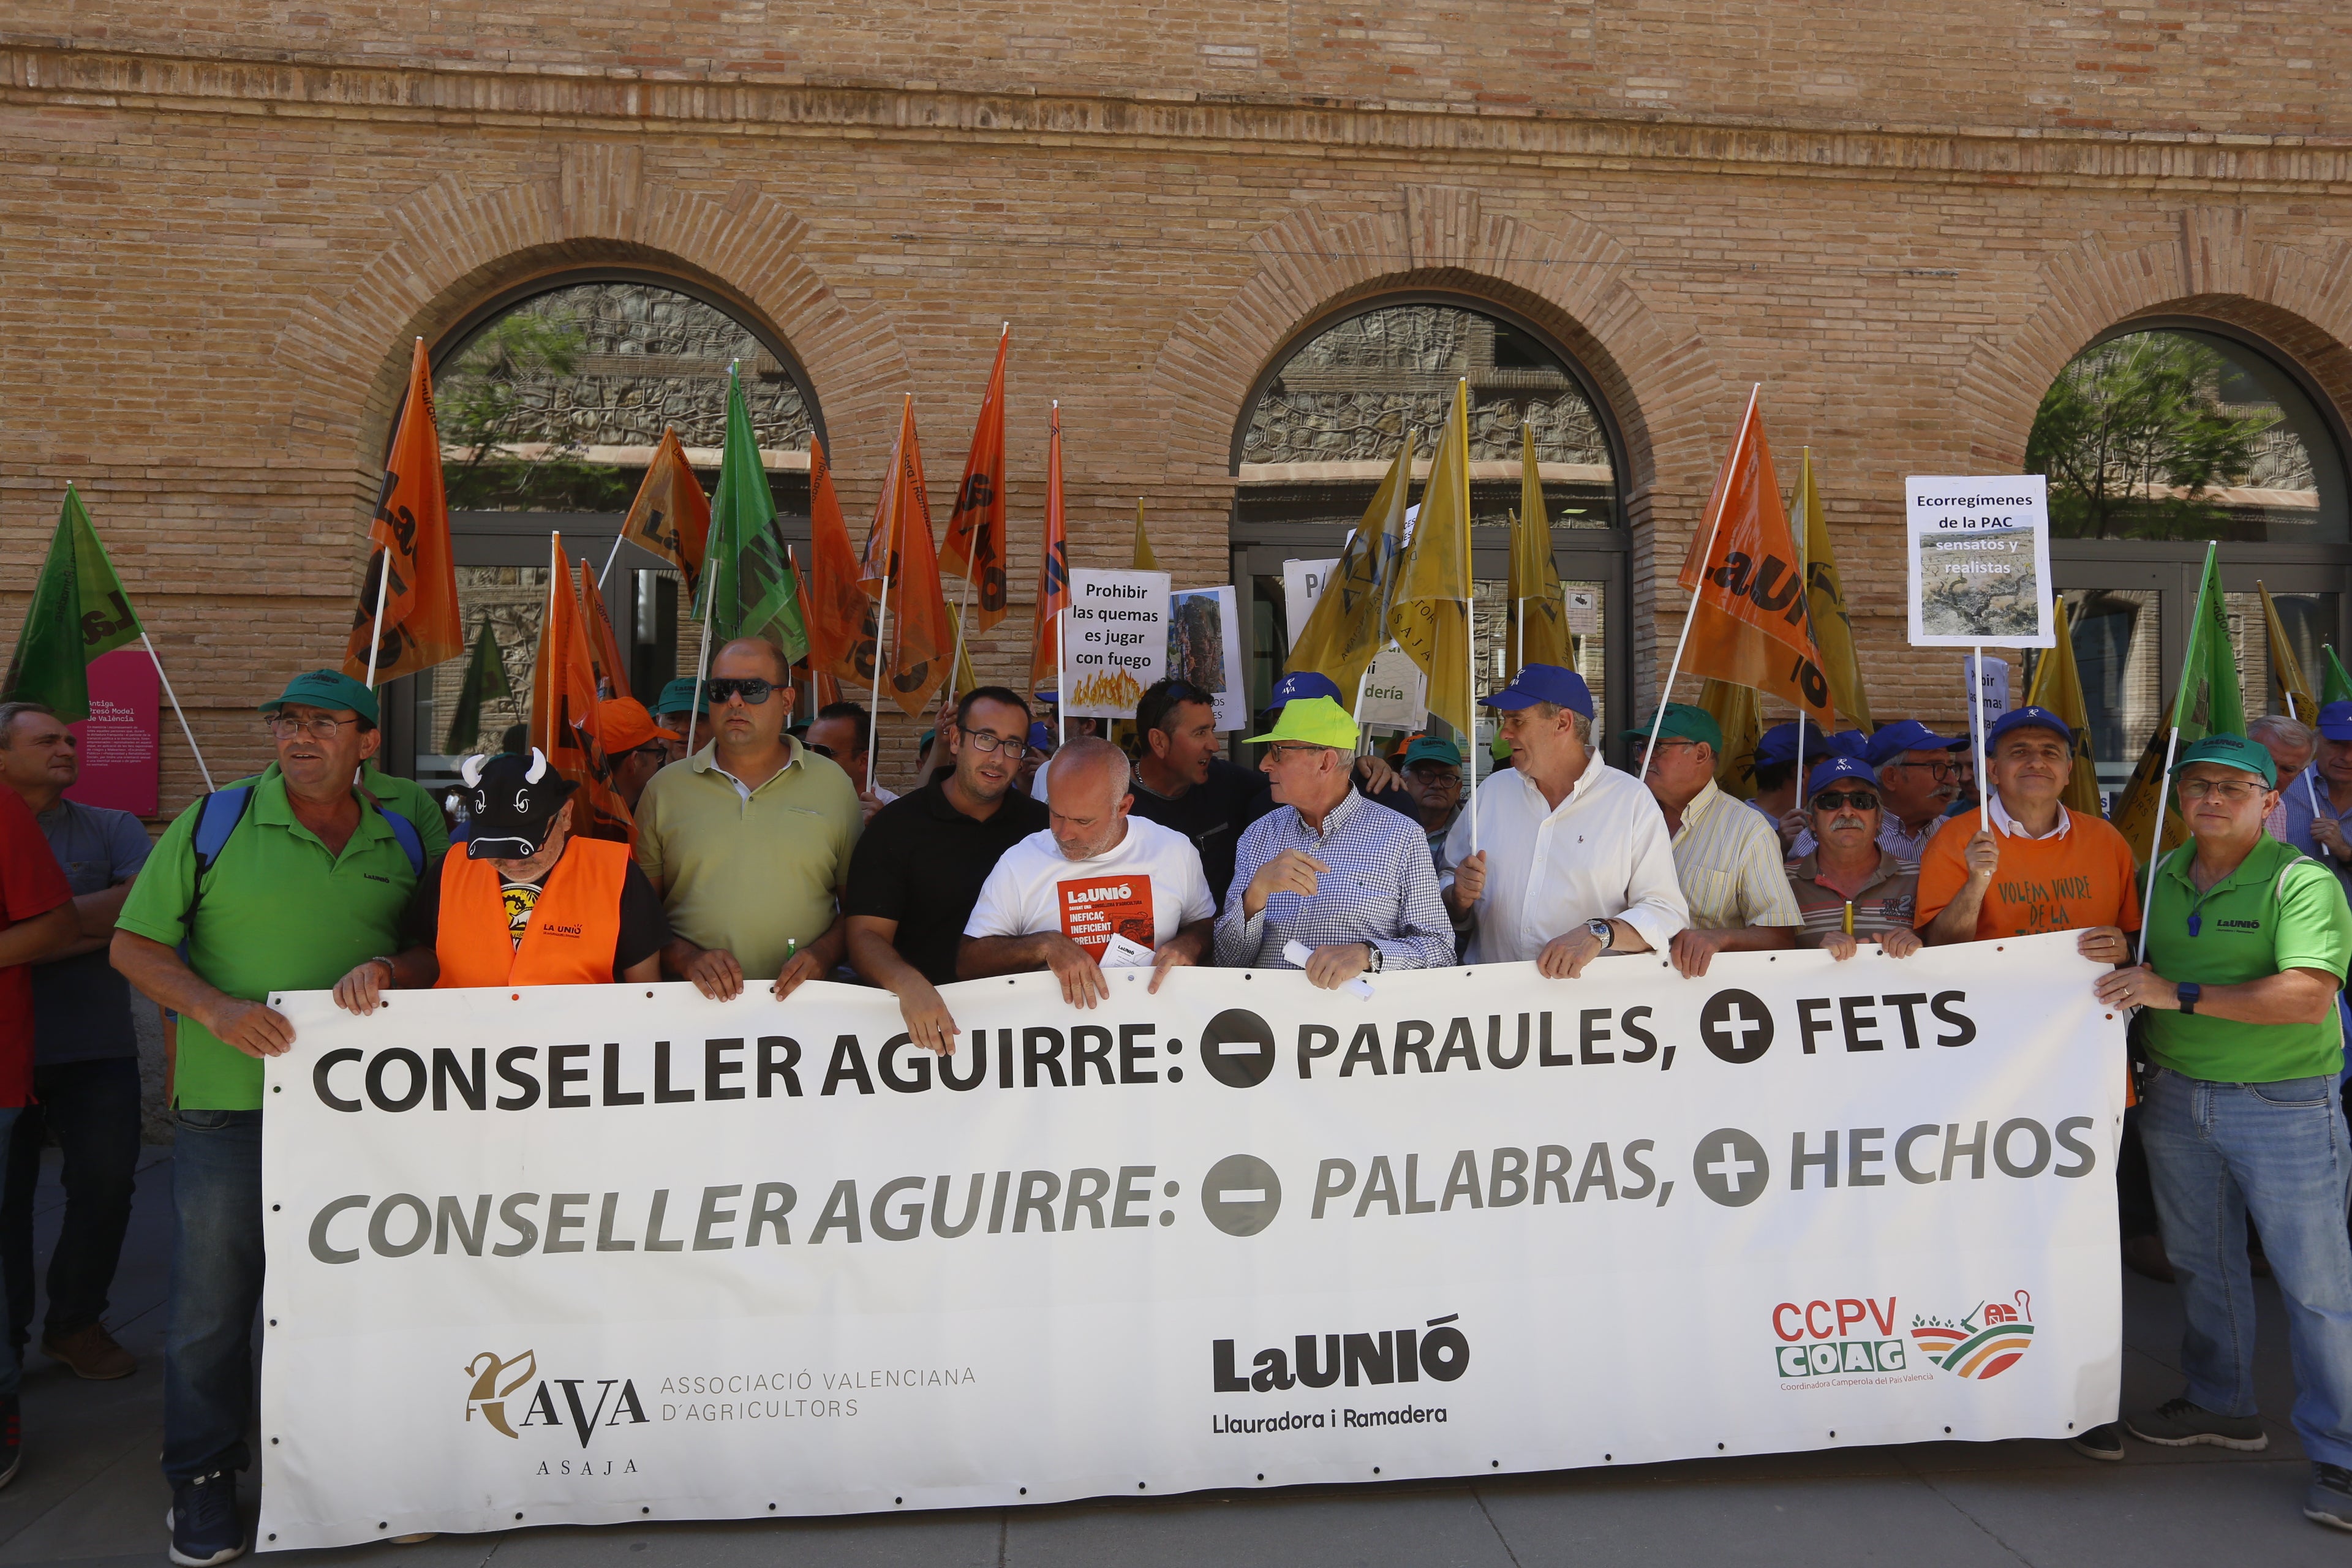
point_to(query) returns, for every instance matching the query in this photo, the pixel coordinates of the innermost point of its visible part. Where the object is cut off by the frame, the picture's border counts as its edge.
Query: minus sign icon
(1240, 1048)
(1241, 1195)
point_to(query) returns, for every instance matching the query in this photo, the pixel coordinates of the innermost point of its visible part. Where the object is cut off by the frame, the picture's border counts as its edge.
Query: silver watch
(1605, 931)
(1372, 964)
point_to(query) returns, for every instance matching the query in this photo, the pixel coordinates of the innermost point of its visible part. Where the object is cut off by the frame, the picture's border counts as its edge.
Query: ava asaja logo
(1437, 1350)
(496, 1379)
(1984, 1343)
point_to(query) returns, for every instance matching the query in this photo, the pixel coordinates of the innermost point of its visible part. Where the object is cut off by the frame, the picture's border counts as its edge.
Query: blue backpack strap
(410, 841)
(217, 819)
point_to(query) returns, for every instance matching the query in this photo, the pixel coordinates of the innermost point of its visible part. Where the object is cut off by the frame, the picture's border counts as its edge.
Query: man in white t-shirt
(1098, 885)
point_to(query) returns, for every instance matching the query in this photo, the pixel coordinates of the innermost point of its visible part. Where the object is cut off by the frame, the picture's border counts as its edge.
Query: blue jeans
(93, 1108)
(11, 1365)
(215, 1287)
(2217, 1151)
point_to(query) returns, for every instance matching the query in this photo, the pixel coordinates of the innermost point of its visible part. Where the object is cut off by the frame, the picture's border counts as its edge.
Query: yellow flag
(1144, 559)
(1740, 714)
(1350, 622)
(1825, 599)
(1430, 615)
(2285, 669)
(2144, 795)
(2058, 686)
(1538, 618)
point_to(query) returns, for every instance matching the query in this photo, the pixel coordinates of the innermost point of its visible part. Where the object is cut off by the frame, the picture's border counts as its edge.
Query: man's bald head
(752, 656)
(1087, 787)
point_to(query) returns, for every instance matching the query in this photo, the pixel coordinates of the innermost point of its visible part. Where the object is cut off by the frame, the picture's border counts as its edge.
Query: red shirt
(31, 885)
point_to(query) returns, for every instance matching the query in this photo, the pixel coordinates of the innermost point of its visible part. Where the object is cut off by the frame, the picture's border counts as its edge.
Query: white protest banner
(1395, 692)
(1117, 640)
(1302, 586)
(622, 1253)
(1979, 561)
(1984, 680)
(1204, 646)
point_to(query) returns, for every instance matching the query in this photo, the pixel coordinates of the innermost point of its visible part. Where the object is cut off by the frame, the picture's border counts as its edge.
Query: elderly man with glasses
(1850, 889)
(1726, 857)
(1348, 881)
(635, 746)
(750, 840)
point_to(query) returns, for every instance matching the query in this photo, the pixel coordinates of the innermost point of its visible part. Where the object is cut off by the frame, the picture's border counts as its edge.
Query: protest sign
(1302, 586)
(121, 744)
(1116, 640)
(1978, 560)
(1984, 681)
(1395, 692)
(1204, 646)
(622, 1253)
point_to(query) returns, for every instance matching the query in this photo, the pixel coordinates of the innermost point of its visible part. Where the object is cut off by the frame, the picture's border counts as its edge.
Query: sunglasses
(750, 688)
(1837, 800)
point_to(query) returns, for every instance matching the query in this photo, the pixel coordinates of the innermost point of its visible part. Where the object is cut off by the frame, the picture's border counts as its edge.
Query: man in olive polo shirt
(2247, 943)
(748, 840)
(312, 881)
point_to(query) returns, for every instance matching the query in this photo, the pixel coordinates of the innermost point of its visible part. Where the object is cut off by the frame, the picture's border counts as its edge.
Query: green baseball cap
(2232, 751)
(329, 688)
(676, 697)
(1316, 721)
(1684, 722)
(1433, 749)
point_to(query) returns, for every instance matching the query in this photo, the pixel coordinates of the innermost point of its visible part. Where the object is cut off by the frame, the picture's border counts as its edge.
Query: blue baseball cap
(1041, 736)
(2033, 719)
(1777, 745)
(1850, 743)
(2336, 721)
(1299, 684)
(1890, 740)
(1543, 683)
(1838, 765)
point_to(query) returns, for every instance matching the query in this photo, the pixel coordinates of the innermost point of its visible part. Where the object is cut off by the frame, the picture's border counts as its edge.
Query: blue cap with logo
(2028, 719)
(1836, 767)
(1890, 740)
(2336, 721)
(1543, 683)
(1777, 747)
(1302, 683)
(1041, 736)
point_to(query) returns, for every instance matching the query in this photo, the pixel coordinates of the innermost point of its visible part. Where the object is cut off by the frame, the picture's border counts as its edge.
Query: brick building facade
(222, 226)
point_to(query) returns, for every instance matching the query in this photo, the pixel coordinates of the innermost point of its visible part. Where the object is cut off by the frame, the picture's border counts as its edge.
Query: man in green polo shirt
(2247, 943)
(312, 881)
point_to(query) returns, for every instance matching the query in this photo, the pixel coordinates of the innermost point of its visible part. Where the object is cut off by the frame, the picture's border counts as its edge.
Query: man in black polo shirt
(919, 865)
(1181, 783)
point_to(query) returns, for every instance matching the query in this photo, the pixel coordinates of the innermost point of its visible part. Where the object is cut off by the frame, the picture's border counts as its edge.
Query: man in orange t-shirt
(2035, 866)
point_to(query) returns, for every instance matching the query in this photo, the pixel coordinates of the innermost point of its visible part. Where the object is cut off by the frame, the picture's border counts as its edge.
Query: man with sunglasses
(311, 880)
(1852, 888)
(920, 864)
(1919, 775)
(637, 746)
(749, 840)
(2248, 940)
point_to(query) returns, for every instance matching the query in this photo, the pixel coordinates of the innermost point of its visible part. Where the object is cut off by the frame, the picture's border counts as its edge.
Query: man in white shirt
(1574, 859)
(1097, 885)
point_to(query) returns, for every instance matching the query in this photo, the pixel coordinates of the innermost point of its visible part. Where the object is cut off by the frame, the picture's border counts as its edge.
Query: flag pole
(881, 641)
(174, 696)
(1984, 782)
(2155, 839)
(1469, 628)
(375, 637)
(608, 562)
(1061, 686)
(1715, 524)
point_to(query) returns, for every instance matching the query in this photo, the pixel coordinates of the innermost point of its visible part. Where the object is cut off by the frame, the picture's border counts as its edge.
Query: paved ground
(89, 1494)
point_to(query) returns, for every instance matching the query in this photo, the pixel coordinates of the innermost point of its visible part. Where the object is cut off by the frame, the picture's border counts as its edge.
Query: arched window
(1330, 414)
(550, 400)
(2163, 435)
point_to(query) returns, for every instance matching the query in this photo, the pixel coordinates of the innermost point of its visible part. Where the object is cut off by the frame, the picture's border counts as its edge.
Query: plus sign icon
(1735, 1025)
(1731, 1167)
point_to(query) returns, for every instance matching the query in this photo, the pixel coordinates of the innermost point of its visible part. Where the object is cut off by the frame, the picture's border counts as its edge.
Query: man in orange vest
(527, 904)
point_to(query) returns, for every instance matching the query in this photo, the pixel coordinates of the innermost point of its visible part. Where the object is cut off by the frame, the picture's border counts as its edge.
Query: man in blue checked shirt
(1327, 868)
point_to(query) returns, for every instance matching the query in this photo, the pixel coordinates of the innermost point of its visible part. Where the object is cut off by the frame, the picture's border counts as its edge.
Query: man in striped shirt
(1849, 889)
(1328, 870)
(1726, 858)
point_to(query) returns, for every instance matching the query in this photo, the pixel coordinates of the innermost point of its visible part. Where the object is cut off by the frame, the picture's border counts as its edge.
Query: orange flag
(974, 549)
(1751, 626)
(826, 686)
(901, 571)
(564, 706)
(611, 669)
(838, 615)
(1053, 575)
(671, 516)
(419, 627)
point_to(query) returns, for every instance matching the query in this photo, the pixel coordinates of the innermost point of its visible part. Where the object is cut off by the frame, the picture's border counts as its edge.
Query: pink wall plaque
(120, 741)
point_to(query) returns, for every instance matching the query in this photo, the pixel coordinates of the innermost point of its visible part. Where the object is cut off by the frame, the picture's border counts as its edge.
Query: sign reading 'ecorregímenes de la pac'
(1979, 560)
(607, 1253)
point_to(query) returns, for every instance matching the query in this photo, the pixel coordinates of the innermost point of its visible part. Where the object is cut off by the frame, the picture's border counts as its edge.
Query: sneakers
(203, 1523)
(2329, 1500)
(12, 1441)
(2099, 1443)
(91, 1352)
(2179, 1424)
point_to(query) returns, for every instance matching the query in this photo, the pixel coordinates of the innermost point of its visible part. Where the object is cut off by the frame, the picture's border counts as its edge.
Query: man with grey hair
(2290, 742)
(1349, 881)
(1096, 888)
(1573, 859)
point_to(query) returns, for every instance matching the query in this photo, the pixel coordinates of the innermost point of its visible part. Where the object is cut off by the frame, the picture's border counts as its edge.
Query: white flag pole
(1061, 680)
(375, 639)
(1713, 525)
(2156, 840)
(608, 562)
(881, 641)
(1469, 630)
(175, 697)
(1984, 781)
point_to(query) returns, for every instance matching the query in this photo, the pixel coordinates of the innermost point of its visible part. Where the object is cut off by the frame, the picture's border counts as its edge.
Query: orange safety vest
(575, 927)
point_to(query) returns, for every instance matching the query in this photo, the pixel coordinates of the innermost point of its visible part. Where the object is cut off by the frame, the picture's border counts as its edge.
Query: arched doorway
(1329, 413)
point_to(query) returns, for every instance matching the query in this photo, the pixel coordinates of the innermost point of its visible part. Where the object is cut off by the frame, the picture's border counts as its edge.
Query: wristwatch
(1605, 931)
(2188, 991)
(1372, 964)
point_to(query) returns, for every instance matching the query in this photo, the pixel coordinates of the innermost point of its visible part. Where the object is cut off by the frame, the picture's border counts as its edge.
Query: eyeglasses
(826, 751)
(750, 688)
(651, 748)
(285, 727)
(1935, 770)
(2232, 791)
(1838, 800)
(984, 743)
(1292, 750)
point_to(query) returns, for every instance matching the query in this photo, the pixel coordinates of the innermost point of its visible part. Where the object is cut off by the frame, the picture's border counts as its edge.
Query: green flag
(2334, 686)
(2209, 702)
(746, 572)
(486, 677)
(79, 611)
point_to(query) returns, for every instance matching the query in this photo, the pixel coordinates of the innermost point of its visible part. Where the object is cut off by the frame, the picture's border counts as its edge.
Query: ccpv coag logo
(1985, 1343)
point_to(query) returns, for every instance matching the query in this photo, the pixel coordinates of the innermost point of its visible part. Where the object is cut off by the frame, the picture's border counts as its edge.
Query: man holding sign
(1099, 888)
